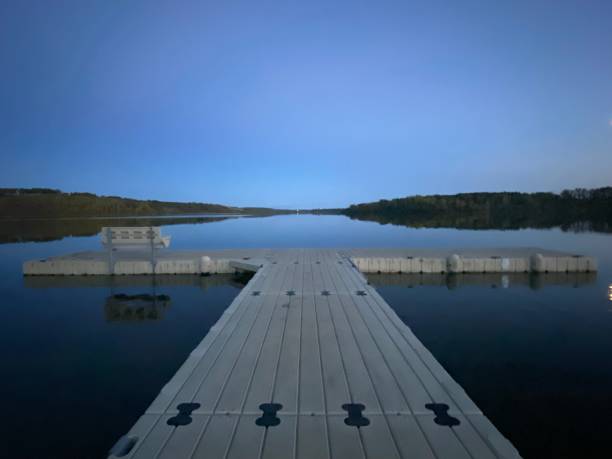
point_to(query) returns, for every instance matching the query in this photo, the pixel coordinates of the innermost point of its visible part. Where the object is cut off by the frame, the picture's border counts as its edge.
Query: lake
(83, 358)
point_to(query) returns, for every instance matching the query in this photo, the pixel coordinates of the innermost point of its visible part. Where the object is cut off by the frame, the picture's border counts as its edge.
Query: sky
(304, 104)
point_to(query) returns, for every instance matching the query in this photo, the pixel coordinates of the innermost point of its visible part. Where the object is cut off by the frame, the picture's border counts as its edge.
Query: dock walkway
(310, 362)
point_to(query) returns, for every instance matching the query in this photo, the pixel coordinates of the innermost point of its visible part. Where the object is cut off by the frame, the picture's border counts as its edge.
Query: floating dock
(309, 361)
(401, 260)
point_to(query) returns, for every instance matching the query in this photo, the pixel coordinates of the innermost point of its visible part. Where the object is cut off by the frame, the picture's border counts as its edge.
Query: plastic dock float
(400, 260)
(310, 362)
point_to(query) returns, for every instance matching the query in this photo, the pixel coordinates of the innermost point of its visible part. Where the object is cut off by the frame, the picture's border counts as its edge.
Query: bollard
(537, 263)
(454, 264)
(205, 265)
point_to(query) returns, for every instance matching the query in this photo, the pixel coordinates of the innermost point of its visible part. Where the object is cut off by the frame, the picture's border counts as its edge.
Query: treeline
(20, 191)
(578, 209)
(48, 203)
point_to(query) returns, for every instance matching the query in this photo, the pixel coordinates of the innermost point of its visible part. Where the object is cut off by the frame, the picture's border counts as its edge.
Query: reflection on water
(151, 282)
(99, 348)
(453, 281)
(533, 356)
(486, 221)
(136, 307)
(42, 230)
(127, 308)
(55, 229)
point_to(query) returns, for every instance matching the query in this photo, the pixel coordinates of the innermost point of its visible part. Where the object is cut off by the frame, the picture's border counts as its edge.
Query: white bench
(134, 237)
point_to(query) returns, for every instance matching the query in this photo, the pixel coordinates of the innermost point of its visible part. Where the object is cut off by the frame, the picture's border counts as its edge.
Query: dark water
(533, 354)
(83, 358)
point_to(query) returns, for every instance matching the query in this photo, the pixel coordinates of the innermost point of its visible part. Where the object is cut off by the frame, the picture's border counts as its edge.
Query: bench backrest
(133, 236)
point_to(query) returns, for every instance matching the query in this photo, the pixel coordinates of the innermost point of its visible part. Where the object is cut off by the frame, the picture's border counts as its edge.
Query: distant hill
(572, 209)
(50, 203)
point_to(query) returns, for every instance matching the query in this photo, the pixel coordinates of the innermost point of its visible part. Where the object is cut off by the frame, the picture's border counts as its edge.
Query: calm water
(83, 358)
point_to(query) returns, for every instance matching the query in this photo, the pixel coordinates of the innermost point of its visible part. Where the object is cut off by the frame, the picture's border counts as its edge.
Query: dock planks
(309, 333)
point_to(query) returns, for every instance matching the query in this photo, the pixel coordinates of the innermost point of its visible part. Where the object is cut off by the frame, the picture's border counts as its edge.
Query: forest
(25, 203)
(578, 209)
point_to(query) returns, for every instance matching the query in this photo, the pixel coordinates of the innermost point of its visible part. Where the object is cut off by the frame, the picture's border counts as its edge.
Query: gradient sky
(304, 104)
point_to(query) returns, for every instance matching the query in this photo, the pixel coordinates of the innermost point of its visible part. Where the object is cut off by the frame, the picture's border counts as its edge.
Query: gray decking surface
(284, 340)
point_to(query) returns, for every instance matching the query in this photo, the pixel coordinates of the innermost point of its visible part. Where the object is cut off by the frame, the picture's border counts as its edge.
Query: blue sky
(305, 104)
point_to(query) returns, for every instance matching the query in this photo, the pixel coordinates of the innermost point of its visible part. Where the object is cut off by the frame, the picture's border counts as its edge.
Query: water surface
(83, 358)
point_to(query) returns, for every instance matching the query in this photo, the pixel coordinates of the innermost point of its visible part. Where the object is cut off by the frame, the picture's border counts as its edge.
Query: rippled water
(83, 358)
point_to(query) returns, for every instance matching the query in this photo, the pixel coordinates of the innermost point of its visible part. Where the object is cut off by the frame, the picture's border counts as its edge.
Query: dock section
(399, 260)
(309, 361)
